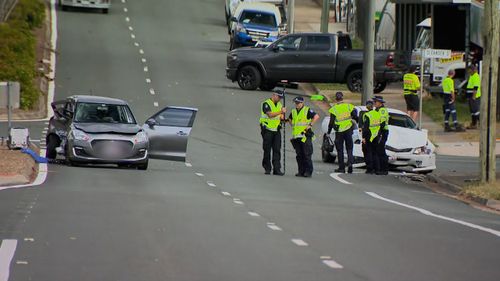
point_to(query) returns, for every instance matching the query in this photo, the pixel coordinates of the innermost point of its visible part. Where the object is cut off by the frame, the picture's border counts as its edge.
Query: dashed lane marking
(130, 28)
(152, 91)
(143, 60)
(211, 184)
(136, 44)
(225, 193)
(337, 177)
(148, 81)
(300, 242)
(125, 10)
(7, 250)
(155, 104)
(127, 19)
(431, 214)
(146, 69)
(141, 51)
(188, 164)
(238, 201)
(124, 1)
(332, 264)
(273, 226)
(132, 36)
(22, 262)
(253, 214)
(199, 174)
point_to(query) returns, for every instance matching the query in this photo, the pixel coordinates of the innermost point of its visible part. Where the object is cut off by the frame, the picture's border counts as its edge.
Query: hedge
(17, 48)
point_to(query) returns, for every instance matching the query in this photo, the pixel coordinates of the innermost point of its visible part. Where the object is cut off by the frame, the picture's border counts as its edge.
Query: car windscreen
(260, 18)
(395, 119)
(103, 113)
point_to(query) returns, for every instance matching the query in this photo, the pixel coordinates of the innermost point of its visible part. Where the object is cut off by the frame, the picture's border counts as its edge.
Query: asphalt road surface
(218, 217)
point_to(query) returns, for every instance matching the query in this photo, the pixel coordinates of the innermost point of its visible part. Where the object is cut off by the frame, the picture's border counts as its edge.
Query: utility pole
(369, 52)
(291, 16)
(489, 85)
(325, 14)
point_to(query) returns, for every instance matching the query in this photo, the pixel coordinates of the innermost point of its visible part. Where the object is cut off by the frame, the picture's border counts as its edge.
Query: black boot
(447, 128)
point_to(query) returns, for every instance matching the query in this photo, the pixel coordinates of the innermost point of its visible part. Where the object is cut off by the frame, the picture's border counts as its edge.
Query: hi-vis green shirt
(411, 84)
(342, 113)
(384, 118)
(300, 122)
(374, 121)
(271, 124)
(448, 86)
(475, 81)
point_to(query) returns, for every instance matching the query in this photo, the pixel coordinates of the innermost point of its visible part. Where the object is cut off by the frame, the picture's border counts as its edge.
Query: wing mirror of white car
(151, 122)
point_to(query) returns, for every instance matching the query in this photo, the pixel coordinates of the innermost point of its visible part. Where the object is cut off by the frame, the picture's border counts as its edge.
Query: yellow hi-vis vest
(474, 81)
(342, 113)
(384, 117)
(374, 119)
(271, 124)
(411, 84)
(300, 122)
(448, 86)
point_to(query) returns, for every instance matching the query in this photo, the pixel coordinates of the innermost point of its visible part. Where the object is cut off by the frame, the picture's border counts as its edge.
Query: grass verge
(17, 48)
(331, 87)
(433, 107)
(487, 191)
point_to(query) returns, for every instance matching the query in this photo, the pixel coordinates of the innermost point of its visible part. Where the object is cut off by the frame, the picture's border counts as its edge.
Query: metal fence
(6, 7)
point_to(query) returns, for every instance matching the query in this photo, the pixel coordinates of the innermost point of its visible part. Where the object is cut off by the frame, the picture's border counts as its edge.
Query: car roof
(98, 99)
(391, 110)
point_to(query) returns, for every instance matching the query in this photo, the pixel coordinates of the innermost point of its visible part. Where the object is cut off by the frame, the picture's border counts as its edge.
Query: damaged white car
(408, 148)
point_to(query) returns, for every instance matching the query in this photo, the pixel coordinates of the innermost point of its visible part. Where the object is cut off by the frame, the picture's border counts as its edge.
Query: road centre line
(336, 176)
(211, 184)
(273, 226)
(151, 91)
(199, 174)
(155, 104)
(332, 264)
(300, 242)
(253, 214)
(431, 214)
(7, 251)
(225, 193)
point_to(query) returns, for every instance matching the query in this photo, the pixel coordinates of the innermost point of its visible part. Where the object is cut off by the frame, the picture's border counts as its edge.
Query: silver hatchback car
(100, 130)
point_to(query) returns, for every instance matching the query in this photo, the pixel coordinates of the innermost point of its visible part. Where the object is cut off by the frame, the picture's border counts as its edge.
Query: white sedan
(408, 148)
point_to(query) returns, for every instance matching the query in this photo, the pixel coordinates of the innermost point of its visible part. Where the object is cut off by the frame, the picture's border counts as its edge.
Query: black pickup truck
(309, 57)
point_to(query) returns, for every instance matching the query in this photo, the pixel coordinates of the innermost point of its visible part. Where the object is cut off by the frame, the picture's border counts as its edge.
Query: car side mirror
(151, 122)
(234, 19)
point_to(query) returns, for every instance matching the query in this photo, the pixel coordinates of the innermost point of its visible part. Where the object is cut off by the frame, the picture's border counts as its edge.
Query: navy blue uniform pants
(342, 138)
(383, 161)
(304, 151)
(271, 144)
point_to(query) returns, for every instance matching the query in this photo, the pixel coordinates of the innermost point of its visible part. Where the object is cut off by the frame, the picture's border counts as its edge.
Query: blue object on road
(36, 157)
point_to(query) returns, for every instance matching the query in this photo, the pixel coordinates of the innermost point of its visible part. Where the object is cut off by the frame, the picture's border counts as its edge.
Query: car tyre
(52, 143)
(249, 78)
(267, 86)
(355, 81)
(379, 87)
(105, 11)
(327, 157)
(143, 166)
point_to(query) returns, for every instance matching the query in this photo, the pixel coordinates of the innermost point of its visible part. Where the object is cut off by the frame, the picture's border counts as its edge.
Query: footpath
(307, 19)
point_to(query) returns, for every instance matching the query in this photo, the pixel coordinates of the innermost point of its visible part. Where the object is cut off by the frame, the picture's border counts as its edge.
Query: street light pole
(369, 53)
(325, 14)
(291, 16)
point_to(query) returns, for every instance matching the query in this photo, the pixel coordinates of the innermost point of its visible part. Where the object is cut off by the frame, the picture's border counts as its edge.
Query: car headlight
(421, 150)
(240, 28)
(233, 56)
(140, 137)
(80, 135)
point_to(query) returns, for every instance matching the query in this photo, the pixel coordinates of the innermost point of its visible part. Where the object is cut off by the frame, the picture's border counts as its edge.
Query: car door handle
(181, 133)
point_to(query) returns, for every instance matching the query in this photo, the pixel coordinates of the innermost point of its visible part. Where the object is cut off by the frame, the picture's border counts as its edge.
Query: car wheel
(249, 78)
(52, 143)
(105, 11)
(143, 166)
(379, 87)
(267, 86)
(355, 81)
(327, 157)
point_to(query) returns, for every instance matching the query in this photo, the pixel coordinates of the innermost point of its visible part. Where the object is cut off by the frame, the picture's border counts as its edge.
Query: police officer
(342, 116)
(411, 85)
(448, 86)
(370, 134)
(302, 119)
(384, 135)
(272, 113)
(474, 95)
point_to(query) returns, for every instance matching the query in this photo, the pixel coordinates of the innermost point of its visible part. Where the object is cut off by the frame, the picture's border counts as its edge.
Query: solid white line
(333, 264)
(225, 193)
(431, 214)
(155, 104)
(300, 242)
(336, 176)
(7, 250)
(211, 184)
(40, 178)
(253, 214)
(188, 164)
(199, 174)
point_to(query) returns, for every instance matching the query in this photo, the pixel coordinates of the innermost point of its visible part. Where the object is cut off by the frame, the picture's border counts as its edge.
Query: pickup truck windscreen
(259, 18)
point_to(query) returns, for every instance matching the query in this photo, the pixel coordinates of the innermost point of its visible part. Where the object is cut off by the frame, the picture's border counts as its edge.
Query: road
(219, 217)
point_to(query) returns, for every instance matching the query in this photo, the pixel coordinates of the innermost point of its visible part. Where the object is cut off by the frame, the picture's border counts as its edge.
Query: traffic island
(17, 168)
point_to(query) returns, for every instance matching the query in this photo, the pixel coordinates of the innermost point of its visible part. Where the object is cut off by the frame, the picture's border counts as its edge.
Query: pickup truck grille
(256, 35)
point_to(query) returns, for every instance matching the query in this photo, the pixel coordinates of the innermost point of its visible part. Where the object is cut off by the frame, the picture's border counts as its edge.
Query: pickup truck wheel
(249, 78)
(267, 86)
(379, 87)
(355, 81)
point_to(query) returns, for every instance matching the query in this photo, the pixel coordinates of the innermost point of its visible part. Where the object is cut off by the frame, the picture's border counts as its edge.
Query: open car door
(168, 132)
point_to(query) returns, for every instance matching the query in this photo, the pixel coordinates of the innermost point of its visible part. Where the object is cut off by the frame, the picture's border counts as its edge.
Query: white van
(104, 5)
(231, 6)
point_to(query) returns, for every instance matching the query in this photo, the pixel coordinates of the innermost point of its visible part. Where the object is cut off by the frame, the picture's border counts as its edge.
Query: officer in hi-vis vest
(272, 113)
(342, 116)
(370, 133)
(302, 119)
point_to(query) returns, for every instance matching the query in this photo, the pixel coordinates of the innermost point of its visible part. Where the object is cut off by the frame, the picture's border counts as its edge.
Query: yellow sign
(454, 57)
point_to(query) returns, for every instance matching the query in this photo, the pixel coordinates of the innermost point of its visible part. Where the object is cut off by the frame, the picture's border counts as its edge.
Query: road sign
(437, 53)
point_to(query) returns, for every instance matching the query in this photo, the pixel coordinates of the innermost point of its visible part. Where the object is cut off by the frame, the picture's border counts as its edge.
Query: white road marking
(325, 257)
(34, 140)
(141, 51)
(40, 178)
(199, 174)
(155, 104)
(123, 1)
(273, 226)
(146, 69)
(127, 19)
(333, 264)
(300, 242)
(148, 81)
(188, 164)
(130, 28)
(46, 123)
(225, 193)
(253, 214)
(22, 262)
(431, 214)
(143, 60)
(238, 201)
(211, 184)
(7, 250)
(125, 10)
(132, 36)
(136, 44)
(152, 91)
(29, 239)
(337, 177)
